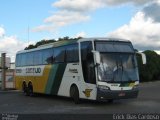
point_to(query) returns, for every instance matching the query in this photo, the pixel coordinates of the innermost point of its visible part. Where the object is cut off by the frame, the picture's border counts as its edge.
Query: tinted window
(88, 62)
(37, 57)
(18, 60)
(23, 59)
(86, 48)
(72, 54)
(114, 47)
(29, 59)
(59, 54)
(47, 56)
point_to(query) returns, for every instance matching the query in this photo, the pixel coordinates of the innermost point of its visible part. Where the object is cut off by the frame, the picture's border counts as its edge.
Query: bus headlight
(103, 87)
(135, 86)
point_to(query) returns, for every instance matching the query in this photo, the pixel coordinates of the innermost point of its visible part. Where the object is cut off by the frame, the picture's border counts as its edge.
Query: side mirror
(97, 57)
(143, 57)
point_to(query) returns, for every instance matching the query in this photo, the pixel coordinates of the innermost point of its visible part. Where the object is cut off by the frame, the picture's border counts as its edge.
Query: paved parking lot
(148, 101)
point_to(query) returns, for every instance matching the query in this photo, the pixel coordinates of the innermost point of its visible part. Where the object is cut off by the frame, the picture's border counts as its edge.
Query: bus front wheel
(110, 101)
(74, 94)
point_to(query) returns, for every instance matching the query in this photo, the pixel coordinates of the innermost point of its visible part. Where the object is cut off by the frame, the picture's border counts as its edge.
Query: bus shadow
(82, 101)
(102, 103)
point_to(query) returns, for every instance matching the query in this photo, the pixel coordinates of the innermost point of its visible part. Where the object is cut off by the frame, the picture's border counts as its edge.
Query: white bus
(88, 68)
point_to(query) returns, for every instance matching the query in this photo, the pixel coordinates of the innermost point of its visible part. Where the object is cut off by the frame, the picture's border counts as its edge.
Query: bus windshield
(116, 67)
(118, 62)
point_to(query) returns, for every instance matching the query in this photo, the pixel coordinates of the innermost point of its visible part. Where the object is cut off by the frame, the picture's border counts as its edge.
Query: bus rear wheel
(74, 94)
(25, 89)
(30, 89)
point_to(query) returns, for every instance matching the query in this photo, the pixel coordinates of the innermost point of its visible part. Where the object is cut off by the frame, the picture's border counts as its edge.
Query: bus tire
(24, 89)
(74, 94)
(30, 89)
(110, 101)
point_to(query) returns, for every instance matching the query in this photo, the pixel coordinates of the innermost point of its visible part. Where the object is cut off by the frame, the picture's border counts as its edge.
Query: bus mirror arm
(96, 65)
(143, 57)
(97, 57)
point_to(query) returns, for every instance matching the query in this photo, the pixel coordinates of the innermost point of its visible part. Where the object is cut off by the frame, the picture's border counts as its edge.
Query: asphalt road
(148, 101)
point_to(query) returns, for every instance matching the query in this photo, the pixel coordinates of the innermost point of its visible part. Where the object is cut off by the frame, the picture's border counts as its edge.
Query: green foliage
(30, 47)
(43, 42)
(150, 71)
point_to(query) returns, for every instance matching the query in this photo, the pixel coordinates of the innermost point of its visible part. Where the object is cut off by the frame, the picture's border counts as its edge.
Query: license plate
(121, 94)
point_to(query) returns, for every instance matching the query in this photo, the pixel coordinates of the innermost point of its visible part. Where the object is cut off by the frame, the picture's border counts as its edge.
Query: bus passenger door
(88, 71)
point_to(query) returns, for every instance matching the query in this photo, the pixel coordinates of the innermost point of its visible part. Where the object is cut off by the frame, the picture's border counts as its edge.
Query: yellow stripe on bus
(39, 82)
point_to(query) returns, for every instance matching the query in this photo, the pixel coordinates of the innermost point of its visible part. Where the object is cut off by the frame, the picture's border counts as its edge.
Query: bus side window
(88, 62)
(37, 57)
(72, 54)
(29, 61)
(59, 55)
(24, 59)
(47, 56)
(18, 60)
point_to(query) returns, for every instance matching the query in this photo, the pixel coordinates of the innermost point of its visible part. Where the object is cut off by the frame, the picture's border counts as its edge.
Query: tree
(30, 47)
(150, 71)
(43, 42)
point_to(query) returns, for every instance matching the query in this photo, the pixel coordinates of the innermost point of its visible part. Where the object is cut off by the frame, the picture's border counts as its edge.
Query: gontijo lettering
(33, 70)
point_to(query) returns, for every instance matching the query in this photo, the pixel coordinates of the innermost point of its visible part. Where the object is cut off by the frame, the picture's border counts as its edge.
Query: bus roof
(103, 39)
(67, 42)
(60, 43)
(54, 44)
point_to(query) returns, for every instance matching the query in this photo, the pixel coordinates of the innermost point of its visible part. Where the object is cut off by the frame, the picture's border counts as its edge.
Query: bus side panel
(20, 76)
(88, 91)
(19, 81)
(39, 79)
(55, 78)
(40, 82)
(71, 76)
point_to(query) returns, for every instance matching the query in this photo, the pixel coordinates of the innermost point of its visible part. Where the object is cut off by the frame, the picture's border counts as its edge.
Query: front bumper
(103, 94)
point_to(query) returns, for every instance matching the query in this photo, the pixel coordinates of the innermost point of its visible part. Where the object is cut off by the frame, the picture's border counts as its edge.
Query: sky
(24, 22)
